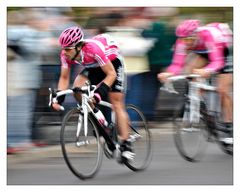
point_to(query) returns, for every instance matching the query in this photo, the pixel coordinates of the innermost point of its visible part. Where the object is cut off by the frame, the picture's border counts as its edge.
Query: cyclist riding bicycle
(102, 65)
(204, 50)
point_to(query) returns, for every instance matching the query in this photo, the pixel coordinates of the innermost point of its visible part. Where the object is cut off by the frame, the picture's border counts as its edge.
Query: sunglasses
(68, 48)
(79, 44)
(188, 38)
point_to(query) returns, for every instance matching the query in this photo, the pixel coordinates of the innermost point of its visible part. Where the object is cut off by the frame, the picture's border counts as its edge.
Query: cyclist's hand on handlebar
(92, 102)
(55, 102)
(202, 72)
(57, 107)
(101, 92)
(163, 76)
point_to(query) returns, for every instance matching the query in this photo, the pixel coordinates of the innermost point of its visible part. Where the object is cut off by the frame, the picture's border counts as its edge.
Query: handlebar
(87, 89)
(200, 83)
(181, 77)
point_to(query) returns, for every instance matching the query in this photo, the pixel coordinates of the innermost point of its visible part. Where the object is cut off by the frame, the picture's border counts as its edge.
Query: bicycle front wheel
(190, 137)
(83, 155)
(141, 139)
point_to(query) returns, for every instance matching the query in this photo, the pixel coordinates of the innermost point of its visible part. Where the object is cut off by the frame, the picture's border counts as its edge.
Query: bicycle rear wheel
(222, 132)
(83, 155)
(141, 139)
(190, 137)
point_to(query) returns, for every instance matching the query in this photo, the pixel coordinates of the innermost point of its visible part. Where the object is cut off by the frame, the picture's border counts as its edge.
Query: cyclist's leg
(225, 81)
(117, 100)
(194, 61)
(116, 97)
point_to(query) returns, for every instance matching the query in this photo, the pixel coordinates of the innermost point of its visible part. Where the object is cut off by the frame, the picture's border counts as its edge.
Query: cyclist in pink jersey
(103, 66)
(204, 50)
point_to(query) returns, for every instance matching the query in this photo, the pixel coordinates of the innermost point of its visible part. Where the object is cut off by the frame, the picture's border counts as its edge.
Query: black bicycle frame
(102, 132)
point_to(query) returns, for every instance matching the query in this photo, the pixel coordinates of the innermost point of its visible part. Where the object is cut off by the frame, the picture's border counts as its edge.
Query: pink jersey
(212, 39)
(96, 52)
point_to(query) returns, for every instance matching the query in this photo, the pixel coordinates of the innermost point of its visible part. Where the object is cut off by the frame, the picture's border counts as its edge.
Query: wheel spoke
(83, 155)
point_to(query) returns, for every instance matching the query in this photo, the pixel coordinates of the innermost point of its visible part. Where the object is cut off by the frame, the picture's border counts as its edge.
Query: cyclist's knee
(118, 106)
(80, 81)
(223, 89)
(117, 99)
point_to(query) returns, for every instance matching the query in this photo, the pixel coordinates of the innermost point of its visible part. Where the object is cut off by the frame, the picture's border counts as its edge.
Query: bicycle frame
(87, 92)
(194, 94)
(201, 119)
(100, 140)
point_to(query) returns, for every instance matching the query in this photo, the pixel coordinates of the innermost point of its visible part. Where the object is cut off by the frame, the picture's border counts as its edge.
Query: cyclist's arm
(178, 58)
(62, 85)
(105, 64)
(63, 82)
(216, 58)
(177, 64)
(111, 75)
(216, 51)
(105, 86)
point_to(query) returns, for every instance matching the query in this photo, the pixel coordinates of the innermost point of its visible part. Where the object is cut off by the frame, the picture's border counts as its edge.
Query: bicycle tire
(142, 146)
(226, 148)
(84, 160)
(190, 138)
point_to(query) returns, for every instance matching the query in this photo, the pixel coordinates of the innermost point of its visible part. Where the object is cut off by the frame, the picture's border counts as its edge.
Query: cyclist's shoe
(127, 153)
(228, 125)
(227, 140)
(225, 133)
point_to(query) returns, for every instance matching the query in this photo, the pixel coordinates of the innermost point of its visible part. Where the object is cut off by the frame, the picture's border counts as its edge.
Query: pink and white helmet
(70, 37)
(187, 28)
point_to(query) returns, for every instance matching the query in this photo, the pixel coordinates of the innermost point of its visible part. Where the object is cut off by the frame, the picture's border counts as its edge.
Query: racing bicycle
(198, 118)
(84, 139)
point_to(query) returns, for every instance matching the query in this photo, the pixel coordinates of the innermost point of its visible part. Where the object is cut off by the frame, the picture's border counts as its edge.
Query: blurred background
(145, 35)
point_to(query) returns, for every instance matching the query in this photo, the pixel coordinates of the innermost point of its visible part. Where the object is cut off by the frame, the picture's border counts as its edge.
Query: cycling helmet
(70, 37)
(187, 28)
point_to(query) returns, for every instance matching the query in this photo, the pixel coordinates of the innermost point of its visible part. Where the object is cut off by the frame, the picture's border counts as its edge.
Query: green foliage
(210, 14)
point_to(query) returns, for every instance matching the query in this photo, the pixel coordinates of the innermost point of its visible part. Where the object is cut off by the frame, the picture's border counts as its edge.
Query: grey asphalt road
(46, 167)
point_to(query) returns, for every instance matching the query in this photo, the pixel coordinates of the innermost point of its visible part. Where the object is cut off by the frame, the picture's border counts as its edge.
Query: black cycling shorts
(228, 61)
(96, 75)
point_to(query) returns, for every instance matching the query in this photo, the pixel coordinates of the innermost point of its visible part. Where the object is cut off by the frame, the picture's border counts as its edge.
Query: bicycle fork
(83, 121)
